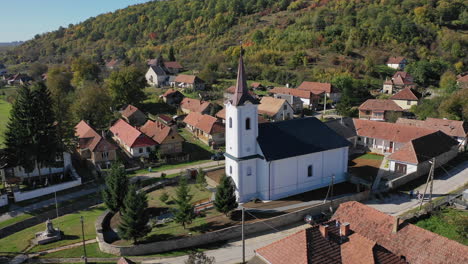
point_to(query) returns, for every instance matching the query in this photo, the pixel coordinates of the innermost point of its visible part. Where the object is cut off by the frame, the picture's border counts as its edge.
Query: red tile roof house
(172, 97)
(318, 88)
(379, 110)
(363, 235)
(397, 63)
(206, 128)
(188, 81)
(400, 80)
(113, 64)
(414, 157)
(169, 140)
(133, 115)
(94, 147)
(299, 100)
(229, 93)
(383, 137)
(406, 98)
(130, 139)
(462, 81)
(456, 129)
(189, 105)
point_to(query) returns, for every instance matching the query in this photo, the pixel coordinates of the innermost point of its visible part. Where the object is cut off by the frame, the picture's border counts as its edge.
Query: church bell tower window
(247, 124)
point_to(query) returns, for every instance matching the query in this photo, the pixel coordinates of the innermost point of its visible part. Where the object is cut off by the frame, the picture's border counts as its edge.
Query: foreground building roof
(205, 123)
(389, 131)
(270, 105)
(452, 128)
(380, 105)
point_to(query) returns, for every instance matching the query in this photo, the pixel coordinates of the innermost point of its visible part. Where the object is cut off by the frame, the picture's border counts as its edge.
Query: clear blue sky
(22, 19)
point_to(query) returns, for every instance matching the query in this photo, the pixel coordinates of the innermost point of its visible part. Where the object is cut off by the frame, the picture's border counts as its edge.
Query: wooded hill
(286, 41)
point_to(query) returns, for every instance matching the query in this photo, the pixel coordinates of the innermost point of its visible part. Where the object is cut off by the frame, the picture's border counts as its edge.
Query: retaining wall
(215, 236)
(22, 196)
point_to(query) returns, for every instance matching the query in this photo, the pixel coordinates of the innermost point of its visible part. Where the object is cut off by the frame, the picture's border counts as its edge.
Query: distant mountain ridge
(11, 44)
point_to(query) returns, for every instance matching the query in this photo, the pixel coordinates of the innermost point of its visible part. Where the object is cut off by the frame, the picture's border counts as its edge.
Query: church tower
(241, 138)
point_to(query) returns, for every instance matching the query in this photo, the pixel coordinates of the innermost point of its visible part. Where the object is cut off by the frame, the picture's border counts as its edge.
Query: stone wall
(215, 236)
(22, 196)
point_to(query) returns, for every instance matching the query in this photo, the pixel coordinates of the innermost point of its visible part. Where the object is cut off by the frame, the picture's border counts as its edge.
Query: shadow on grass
(196, 152)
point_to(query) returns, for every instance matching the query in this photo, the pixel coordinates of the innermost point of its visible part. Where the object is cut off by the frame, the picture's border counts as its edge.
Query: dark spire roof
(241, 94)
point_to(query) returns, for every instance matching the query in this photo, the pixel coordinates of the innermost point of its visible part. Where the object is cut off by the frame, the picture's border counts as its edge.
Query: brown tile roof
(463, 78)
(169, 92)
(417, 245)
(423, 148)
(255, 84)
(316, 87)
(294, 92)
(194, 105)
(357, 250)
(407, 94)
(165, 118)
(221, 114)
(292, 249)
(131, 110)
(270, 106)
(206, 123)
(380, 105)
(184, 78)
(395, 60)
(452, 128)
(389, 131)
(156, 130)
(232, 89)
(173, 65)
(131, 136)
(88, 138)
(402, 78)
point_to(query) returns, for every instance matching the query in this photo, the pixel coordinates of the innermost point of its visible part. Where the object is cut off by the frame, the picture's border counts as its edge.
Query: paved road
(398, 204)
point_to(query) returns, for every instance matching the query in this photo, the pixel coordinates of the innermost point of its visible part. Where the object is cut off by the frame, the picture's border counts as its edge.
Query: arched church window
(247, 124)
(249, 171)
(230, 170)
(230, 122)
(309, 171)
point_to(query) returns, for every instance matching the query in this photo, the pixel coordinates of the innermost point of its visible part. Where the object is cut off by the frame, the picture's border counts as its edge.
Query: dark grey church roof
(285, 139)
(343, 127)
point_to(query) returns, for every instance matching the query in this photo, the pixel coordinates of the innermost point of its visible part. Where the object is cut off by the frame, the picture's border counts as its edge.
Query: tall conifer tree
(184, 211)
(133, 224)
(117, 187)
(225, 198)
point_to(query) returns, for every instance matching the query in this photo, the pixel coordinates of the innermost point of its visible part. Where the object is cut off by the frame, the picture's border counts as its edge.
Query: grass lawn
(197, 149)
(371, 156)
(70, 225)
(197, 195)
(5, 108)
(92, 251)
(450, 223)
(14, 220)
(167, 167)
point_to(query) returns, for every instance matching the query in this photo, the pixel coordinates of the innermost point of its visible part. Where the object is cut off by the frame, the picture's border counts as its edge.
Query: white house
(156, 76)
(275, 109)
(274, 160)
(132, 140)
(397, 63)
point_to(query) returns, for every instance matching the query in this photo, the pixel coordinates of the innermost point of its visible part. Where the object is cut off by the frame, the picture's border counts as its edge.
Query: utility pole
(430, 178)
(243, 238)
(84, 246)
(56, 204)
(331, 196)
(324, 105)
(432, 183)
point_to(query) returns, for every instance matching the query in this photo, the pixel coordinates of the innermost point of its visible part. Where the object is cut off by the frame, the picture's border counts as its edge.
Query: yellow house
(406, 98)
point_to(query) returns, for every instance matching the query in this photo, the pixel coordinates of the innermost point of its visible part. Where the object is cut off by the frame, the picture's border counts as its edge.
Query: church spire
(241, 94)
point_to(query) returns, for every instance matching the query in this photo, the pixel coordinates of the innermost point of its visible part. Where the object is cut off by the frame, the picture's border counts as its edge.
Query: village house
(318, 88)
(131, 140)
(188, 81)
(172, 67)
(454, 128)
(189, 105)
(169, 140)
(358, 233)
(406, 98)
(415, 156)
(462, 81)
(206, 128)
(18, 79)
(94, 147)
(221, 115)
(172, 97)
(167, 120)
(156, 76)
(399, 81)
(397, 63)
(257, 86)
(380, 110)
(113, 64)
(133, 116)
(307, 98)
(275, 109)
(274, 160)
(383, 137)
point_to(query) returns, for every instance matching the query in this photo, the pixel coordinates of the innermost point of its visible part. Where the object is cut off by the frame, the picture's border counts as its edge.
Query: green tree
(134, 220)
(184, 211)
(117, 188)
(93, 104)
(448, 82)
(199, 258)
(201, 181)
(36, 70)
(164, 197)
(225, 198)
(126, 86)
(84, 70)
(171, 56)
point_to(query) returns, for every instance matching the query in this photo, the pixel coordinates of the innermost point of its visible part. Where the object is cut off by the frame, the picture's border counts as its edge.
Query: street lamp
(84, 246)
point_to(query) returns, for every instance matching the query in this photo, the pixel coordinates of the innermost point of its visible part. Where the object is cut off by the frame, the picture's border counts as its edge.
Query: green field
(450, 223)
(5, 108)
(92, 251)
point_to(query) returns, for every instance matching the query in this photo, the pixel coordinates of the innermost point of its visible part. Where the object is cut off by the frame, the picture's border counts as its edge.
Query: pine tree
(201, 181)
(225, 198)
(171, 56)
(184, 211)
(134, 220)
(117, 187)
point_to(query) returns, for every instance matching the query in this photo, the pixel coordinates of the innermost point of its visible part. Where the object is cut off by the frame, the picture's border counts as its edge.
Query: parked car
(218, 156)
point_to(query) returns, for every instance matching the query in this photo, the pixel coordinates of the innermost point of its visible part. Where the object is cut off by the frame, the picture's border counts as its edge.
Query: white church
(274, 160)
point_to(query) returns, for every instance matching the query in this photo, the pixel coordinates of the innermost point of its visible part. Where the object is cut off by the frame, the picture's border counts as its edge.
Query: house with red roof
(406, 98)
(229, 93)
(415, 156)
(383, 137)
(113, 64)
(397, 63)
(172, 97)
(399, 81)
(169, 140)
(300, 98)
(94, 147)
(318, 88)
(133, 116)
(359, 234)
(206, 128)
(131, 140)
(380, 110)
(188, 81)
(462, 81)
(188, 105)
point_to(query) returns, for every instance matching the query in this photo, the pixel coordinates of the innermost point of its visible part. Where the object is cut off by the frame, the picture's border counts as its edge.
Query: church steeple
(241, 94)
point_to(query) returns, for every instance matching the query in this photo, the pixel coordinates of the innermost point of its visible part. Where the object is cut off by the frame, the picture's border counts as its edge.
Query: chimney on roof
(344, 229)
(324, 231)
(103, 134)
(396, 224)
